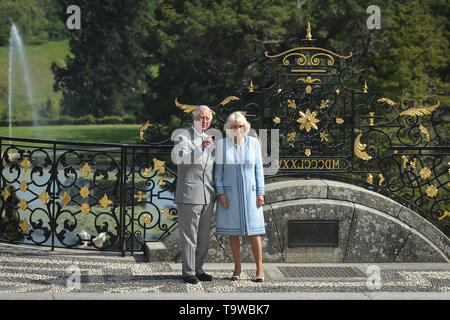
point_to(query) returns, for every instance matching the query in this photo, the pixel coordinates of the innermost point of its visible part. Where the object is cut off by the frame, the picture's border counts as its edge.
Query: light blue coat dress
(239, 174)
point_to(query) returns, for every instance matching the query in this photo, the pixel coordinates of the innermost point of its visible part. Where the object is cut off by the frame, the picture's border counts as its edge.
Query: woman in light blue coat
(239, 180)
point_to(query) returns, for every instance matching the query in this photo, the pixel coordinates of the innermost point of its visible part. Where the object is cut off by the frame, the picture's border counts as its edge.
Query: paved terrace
(38, 273)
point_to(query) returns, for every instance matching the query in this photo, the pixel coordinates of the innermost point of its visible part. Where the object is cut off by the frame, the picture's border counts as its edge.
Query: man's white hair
(197, 110)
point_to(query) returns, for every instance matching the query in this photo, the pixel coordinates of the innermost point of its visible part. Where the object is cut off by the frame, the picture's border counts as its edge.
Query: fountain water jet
(16, 43)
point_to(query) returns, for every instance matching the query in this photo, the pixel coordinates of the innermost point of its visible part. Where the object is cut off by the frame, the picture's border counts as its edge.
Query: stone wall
(372, 228)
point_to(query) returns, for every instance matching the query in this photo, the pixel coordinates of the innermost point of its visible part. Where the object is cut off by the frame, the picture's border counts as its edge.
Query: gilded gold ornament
(142, 129)
(370, 178)
(425, 132)
(23, 186)
(388, 101)
(23, 205)
(432, 191)
(371, 119)
(84, 192)
(308, 120)
(140, 196)
(147, 219)
(85, 208)
(159, 165)
(291, 136)
(187, 108)
(308, 152)
(425, 173)
(5, 193)
(24, 226)
(276, 120)
(161, 183)
(228, 99)
(446, 214)
(339, 120)
(166, 211)
(420, 111)
(250, 87)
(324, 136)
(365, 87)
(405, 161)
(381, 179)
(325, 104)
(359, 148)
(291, 104)
(44, 197)
(147, 171)
(25, 164)
(86, 169)
(65, 198)
(308, 32)
(105, 202)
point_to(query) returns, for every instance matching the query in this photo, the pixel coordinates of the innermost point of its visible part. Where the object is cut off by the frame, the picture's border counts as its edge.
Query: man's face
(202, 122)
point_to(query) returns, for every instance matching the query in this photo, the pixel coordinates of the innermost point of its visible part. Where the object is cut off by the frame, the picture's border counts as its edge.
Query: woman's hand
(259, 201)
(223, 201)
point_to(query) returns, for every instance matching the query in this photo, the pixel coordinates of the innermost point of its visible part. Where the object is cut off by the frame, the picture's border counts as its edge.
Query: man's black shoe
(204, 277)
(191, 279)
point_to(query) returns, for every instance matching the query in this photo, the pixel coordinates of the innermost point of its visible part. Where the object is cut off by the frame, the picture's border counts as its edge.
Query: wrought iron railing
(84, 195)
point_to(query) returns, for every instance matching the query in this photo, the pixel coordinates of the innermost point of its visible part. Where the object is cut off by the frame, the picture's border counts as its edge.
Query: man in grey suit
(195, 193)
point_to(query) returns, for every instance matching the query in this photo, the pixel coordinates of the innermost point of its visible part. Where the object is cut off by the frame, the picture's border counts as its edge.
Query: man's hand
(259, 201)
(206, 143)
(223, 201)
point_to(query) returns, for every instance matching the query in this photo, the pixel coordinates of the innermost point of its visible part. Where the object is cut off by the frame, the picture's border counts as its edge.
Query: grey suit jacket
(195, 180)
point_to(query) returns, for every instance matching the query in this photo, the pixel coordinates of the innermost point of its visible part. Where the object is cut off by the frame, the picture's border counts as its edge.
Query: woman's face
(238, 129)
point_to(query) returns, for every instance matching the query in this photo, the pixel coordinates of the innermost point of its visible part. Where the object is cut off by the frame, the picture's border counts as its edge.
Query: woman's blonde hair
(238, 117)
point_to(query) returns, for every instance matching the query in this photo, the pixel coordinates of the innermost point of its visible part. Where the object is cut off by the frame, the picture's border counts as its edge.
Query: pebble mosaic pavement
(28, 270)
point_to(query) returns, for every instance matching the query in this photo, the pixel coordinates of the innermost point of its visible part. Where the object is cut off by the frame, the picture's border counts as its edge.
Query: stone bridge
(371, 228)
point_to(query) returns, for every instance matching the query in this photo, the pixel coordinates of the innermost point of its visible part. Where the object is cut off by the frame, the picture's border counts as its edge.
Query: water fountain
(16, 45)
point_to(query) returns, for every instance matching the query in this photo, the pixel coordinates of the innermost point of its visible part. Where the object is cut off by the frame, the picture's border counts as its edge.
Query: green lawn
(109, 133)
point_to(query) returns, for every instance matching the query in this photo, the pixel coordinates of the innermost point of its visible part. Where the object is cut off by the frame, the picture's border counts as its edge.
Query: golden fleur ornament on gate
(161, 183)
(44, 197)
(85, 208)
(276, 120)
(159, 165)
(84, 192)
(308, 120)
(140, 196)
(25, 164)
(23, 186)
(24, 226)
(86, 170)
(23, 205)
(105, 202)
(5, 193)
(65, 198)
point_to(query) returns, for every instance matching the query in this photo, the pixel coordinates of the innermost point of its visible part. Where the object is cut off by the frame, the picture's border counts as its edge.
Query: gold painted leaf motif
(359, 149)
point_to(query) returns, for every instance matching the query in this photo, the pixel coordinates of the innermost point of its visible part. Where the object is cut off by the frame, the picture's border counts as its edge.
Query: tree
(29, 18)
(411, 63)
(104, 75)
(207, 50)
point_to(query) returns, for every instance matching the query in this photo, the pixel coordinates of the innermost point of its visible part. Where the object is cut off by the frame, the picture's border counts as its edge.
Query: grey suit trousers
(194, 225)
